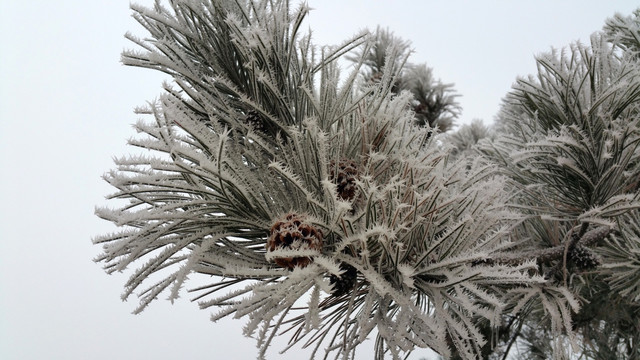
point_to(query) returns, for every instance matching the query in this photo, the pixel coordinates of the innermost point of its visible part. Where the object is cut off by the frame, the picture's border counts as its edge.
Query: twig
(557, 252)
(513, 339)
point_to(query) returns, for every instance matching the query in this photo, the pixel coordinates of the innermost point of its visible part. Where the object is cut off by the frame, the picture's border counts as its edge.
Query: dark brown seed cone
(344, 176)
(344, 282)
(255, 120)
(293, 233)
(584, 258)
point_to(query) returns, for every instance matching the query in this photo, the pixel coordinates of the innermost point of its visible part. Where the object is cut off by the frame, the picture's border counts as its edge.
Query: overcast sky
(66, 109)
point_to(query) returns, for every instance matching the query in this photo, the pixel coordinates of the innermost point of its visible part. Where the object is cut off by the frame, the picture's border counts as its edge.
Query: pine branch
(590, 238)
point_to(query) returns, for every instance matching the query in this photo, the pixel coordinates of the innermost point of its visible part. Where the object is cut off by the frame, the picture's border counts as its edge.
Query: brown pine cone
(293, 232)
(344, 175)
(255, 120)
(584, 258)
(344, 282)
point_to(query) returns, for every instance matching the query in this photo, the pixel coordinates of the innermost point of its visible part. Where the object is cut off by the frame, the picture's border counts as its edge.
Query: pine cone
(293, 233)
(344, 282)
(344, 175)
(255, 120)
(584, 258)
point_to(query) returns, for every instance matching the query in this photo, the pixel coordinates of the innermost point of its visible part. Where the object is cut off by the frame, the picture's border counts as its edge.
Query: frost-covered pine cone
(344, 175)
(255, 120)
(293, 233)
(584, 258)
(344, 282)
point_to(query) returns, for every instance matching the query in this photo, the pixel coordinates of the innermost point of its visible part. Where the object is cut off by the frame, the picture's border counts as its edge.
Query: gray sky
(66, 109)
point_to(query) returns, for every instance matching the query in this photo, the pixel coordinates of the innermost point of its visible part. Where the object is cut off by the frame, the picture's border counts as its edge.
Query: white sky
(66, 108)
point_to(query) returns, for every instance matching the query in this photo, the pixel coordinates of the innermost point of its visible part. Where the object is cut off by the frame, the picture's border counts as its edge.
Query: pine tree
(465, 139)
(434, 103)
(328, 209)
(569, 139)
